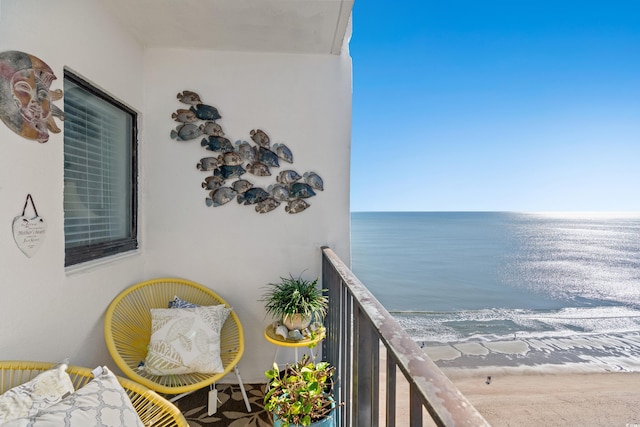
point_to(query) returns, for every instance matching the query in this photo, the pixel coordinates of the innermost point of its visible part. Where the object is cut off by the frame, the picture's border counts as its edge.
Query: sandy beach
(550, 396)
(559, 381)
(607, 399)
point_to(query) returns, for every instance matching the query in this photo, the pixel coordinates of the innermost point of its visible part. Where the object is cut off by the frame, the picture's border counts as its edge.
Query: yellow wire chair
(153, 409)
(127, 330)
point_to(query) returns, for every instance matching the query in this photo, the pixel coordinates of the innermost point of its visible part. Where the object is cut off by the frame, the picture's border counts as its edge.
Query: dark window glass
(100, 173)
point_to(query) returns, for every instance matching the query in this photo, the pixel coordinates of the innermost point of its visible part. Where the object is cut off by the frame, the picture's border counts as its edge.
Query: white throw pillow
(46, 389)
(186, 340)
(101, 402)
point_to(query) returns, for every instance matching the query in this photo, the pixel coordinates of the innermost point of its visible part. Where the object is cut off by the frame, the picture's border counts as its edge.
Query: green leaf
(296, 408)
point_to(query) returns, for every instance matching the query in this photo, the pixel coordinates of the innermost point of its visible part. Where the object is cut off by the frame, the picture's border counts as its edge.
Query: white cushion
(186, 340)
(101, 402)
(46, 389)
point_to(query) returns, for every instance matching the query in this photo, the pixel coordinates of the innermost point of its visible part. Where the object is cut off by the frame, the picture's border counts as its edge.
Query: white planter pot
(296, 321)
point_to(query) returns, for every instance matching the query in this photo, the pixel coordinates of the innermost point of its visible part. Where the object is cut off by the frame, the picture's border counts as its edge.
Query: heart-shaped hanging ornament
(29, 232)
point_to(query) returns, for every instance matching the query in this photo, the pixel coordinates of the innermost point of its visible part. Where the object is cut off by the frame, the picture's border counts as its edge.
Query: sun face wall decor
(233, 162)
(26, 102)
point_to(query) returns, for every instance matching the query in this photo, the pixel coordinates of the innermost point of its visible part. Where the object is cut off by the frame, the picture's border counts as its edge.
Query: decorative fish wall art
(230, 164)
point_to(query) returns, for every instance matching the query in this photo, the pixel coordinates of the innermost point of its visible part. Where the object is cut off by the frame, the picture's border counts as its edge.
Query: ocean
(512, 289)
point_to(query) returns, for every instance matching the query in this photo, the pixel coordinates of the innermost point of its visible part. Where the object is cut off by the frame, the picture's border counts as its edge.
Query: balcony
(375, 358)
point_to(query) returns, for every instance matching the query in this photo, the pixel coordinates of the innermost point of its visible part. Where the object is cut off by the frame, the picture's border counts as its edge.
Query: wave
(499, 323)
(582, 352)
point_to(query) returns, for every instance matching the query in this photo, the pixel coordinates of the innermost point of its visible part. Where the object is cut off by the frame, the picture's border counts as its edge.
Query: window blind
(97, 169)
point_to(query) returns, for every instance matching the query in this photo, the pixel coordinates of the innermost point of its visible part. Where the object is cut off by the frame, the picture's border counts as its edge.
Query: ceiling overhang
(285, 26)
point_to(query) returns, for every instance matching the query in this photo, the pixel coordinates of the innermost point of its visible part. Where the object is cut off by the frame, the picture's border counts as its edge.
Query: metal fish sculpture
(188, 97)
(186, 132)
(267, 205)
(227, 172)
(210, 128)
(184, 116)
(205, 112)
(213, 182)
(283, 152)
(260, 138)
(288, 177)
(314, 180)
(241, 185)
(295, 206)
(279, 192)
(246, 151)
(258, 169)
(253, 196)
(221, 196)
(208, 163)
(267, 157)
(301, 190)
(232, 158)
(217, 143)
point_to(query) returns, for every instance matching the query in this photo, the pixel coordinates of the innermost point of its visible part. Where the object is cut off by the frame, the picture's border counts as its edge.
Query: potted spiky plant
(301, 394)
(295, 301)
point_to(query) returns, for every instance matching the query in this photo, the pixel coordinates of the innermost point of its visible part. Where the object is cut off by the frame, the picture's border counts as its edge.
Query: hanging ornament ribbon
(29, 232)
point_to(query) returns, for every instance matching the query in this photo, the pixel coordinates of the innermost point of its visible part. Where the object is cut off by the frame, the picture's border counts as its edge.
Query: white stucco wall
(303, 101)
(47, 313)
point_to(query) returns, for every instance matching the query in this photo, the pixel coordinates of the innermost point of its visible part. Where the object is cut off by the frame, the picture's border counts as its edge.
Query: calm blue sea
(554, 284)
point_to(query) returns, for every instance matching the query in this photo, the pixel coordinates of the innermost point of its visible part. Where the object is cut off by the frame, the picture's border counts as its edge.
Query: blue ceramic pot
(325, 422)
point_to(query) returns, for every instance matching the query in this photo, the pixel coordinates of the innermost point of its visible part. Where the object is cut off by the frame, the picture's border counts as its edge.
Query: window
(100, 173)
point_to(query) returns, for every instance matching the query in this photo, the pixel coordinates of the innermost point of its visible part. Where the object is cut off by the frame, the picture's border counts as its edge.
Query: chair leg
(212, 405)
(180, 396)
(242, 390)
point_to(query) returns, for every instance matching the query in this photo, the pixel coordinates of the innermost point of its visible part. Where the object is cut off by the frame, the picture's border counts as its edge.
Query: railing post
(415, 407)
(347, 373)
(366, 372)
(333, 346)
(391, 393)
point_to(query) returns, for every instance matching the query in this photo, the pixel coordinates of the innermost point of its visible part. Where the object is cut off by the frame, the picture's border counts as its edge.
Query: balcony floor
(231, 407)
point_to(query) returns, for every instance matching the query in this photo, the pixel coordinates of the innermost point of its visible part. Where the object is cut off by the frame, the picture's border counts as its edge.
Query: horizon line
(505, 211)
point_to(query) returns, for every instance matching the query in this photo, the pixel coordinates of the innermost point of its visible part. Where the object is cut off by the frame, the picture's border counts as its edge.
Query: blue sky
(496, 105)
